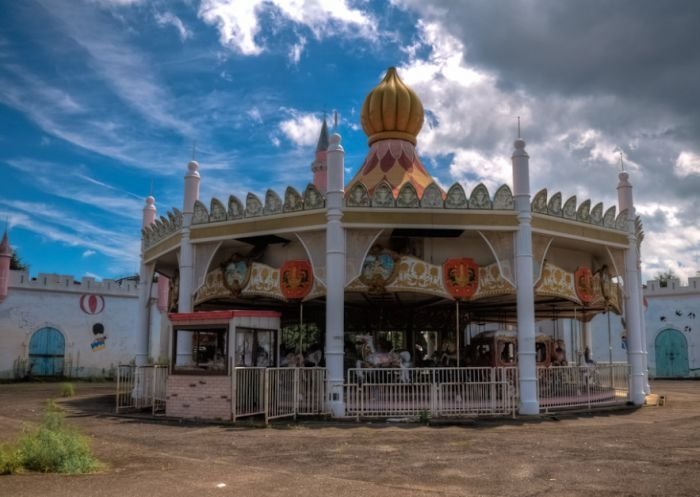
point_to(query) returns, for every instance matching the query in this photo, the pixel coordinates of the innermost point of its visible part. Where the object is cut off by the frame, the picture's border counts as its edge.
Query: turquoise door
(46, 350)
(671, 354)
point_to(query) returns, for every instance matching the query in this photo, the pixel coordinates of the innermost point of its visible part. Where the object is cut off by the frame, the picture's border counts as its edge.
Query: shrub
(67, 390)
(55, 447)
(10, 459)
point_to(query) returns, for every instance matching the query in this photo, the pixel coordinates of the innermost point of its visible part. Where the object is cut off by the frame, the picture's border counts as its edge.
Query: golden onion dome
(392, 110)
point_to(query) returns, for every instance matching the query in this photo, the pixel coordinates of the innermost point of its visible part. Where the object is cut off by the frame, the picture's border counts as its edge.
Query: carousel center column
(335, 276)
(527, 366)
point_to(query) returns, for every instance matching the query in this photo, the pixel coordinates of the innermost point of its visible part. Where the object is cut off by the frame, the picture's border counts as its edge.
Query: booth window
(200, 351)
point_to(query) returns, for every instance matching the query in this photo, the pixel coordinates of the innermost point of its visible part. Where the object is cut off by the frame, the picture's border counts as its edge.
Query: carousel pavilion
(389, 272)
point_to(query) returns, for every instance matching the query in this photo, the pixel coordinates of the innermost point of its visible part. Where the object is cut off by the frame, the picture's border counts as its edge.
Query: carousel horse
(559, 354)
(313, 356)
(391, 359)
(449, 355)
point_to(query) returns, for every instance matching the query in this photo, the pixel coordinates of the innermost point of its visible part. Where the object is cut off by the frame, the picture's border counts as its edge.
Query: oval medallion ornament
(461, 277)
(583, 281)
(92, 304)
(378, 269)
(296, 279)
(236, 274)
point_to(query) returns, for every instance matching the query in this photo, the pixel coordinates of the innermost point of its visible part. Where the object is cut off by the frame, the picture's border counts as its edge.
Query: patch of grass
(52, 447)
(67, 390)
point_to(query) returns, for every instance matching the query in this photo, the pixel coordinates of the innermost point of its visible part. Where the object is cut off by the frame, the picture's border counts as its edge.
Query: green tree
(665, 276)
(16, 263)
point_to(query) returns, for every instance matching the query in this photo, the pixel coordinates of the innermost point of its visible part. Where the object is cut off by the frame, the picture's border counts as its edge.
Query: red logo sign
(296, 279)
(583, 282)
(461, 277)
(92, 304)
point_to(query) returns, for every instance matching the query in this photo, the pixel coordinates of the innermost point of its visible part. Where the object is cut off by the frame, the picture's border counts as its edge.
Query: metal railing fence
(566, 387)
(141, 387)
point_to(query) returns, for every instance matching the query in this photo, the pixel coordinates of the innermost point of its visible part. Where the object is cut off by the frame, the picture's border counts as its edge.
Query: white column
(633, 296)
(643, 325)
(192, 179)
(145, 282)
(186, 253)
(335, 276)
(527, 365)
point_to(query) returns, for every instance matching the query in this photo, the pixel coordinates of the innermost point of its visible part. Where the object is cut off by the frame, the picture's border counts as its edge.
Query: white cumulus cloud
(301, 129)
(238, 23)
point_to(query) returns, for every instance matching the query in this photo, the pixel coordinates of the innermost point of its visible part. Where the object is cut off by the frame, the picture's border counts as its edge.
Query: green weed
(52, 447)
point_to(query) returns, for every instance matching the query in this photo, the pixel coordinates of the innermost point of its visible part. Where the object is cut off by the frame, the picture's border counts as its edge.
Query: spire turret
(319, 166)
(5, 257)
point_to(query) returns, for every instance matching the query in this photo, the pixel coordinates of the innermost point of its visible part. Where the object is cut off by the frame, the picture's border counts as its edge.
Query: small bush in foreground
(54, 447)
(67, 390)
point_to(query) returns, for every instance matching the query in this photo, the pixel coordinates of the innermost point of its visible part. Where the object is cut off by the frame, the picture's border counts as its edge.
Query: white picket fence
(141, 388)
(567, 387)
(278, 392)
(438, 392)
(431, 391)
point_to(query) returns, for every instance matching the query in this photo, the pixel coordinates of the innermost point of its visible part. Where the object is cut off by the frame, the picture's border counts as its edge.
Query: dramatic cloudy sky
(99, 99)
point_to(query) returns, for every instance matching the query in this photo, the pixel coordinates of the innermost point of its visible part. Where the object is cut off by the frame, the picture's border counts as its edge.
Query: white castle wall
(674, 307)
(51, 300)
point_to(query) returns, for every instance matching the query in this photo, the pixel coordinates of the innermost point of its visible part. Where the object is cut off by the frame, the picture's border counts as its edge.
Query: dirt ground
(653, 451)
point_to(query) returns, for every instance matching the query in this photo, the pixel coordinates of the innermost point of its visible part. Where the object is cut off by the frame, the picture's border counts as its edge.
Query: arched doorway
(46, 351)
(671, 354)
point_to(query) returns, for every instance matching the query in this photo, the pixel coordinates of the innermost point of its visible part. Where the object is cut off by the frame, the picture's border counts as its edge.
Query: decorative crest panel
(217, 211)
(456, 198)
(539, 203)
(235, 208)
(358, 196)
(407, 196)
(292, 200)
(383, 196)
(609, 218)
(569, 211)
(253, 206)
(597, 214)
(554, 207)
(432, 197)
(584, 212)
(200, 214)
(480, 198)
(312, 198)
(273, 203)
(503, 198)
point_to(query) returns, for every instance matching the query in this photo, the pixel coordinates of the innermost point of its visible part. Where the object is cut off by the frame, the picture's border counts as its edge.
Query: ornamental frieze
(556, 282)
(416, 275)
(491, 283)
(264, 282)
